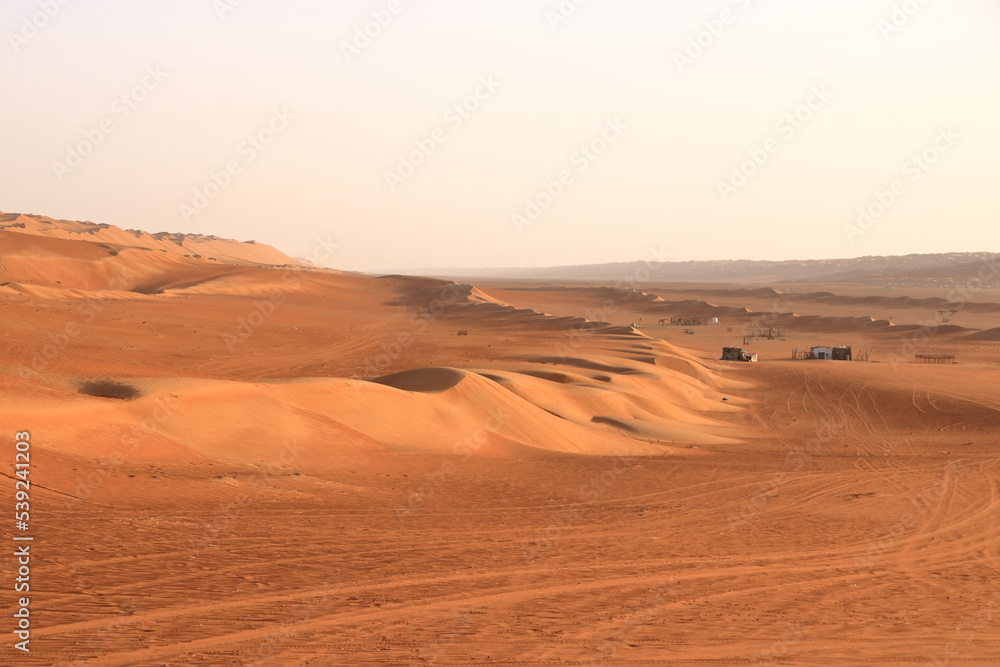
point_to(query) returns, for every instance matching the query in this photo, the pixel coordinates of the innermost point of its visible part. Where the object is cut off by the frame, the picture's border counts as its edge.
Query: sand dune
(522, 407)
(874, 271)
(246, 464)
(778, 311)
(987, 334)
(859, 302)
(209, 248)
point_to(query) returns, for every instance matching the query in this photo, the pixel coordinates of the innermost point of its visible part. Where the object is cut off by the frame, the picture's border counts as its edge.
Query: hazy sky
(762, 142)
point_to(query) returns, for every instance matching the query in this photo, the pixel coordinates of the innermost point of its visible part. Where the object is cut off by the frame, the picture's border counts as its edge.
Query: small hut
(842, 353)
(839, 353)
(737, 354)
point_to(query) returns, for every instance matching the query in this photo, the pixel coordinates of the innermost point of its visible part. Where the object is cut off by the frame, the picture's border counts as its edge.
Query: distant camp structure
(839, 353)
(934, 358)
(752, 333)
(686, 321)
(737, 354)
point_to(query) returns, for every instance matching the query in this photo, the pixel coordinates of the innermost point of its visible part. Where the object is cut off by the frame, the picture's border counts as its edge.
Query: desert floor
(540, 491)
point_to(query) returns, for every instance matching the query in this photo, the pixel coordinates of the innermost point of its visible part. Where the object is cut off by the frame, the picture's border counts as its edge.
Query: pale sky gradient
(656, 186)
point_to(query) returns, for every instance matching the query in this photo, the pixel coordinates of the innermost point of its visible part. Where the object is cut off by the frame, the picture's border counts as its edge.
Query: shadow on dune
(109, 389)
(424, 380)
